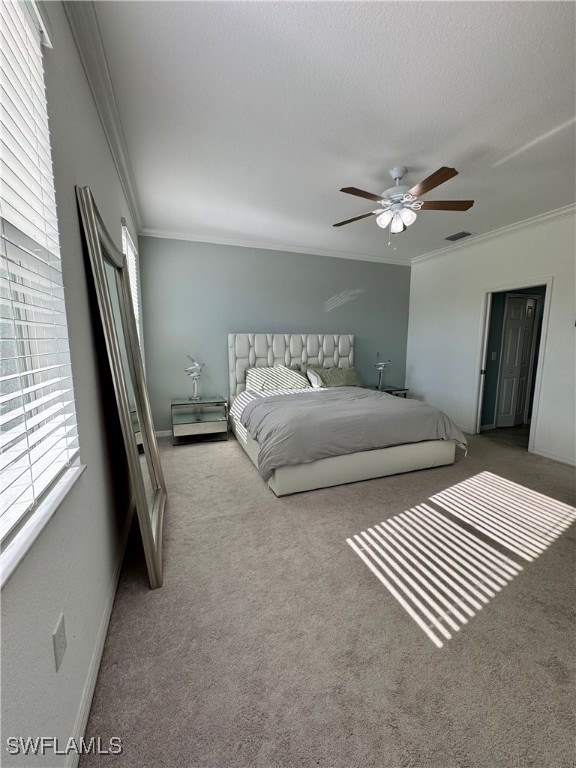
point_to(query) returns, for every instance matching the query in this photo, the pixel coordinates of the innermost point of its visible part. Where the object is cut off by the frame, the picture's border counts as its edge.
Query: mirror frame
(102, 250)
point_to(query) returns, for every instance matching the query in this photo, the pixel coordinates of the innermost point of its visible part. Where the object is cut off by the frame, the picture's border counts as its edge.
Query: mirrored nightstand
(205, 416)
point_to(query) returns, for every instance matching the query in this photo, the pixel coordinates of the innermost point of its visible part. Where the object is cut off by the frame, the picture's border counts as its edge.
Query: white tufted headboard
(254, 350)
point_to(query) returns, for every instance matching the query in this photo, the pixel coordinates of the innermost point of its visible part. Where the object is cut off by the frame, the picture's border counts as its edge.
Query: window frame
(24, 59)
(132, 256)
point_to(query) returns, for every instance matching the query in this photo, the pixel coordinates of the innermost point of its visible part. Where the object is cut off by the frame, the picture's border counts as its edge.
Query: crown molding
(218, 240)
(535, 221)
(86, 33)
(543, 218)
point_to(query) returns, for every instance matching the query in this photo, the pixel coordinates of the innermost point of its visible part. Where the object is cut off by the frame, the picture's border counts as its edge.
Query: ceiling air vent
(458, 236)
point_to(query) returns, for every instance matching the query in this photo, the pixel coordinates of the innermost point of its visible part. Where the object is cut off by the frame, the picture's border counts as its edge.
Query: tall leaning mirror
(114, 298)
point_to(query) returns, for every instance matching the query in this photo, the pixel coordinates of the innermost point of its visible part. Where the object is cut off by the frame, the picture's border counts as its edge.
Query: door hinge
(482, 371)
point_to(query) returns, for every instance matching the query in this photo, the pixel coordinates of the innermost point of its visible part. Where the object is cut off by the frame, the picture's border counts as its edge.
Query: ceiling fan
(399, 203)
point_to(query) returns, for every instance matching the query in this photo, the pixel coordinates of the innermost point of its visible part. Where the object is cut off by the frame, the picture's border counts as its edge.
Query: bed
(293, 351)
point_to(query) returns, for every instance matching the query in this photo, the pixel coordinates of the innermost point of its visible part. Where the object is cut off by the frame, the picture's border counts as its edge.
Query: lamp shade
(397, 225)
(407, 215)
(384, 219)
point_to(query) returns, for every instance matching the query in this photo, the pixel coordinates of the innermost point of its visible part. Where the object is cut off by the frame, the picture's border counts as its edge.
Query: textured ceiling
(243, 119)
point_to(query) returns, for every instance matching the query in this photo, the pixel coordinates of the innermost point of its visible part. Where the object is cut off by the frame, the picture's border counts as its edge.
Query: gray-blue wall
(194, 294)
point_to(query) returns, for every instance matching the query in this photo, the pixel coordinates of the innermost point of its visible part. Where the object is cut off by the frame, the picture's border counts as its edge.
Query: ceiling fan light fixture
(407, 215)
(384, 219)
(397, 225)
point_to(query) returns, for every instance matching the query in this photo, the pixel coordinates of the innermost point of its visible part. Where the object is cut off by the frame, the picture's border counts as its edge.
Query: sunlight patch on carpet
(442, 572)
(524, 521)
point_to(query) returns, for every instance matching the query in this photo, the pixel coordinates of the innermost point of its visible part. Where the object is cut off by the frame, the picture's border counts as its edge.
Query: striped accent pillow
(279, 377)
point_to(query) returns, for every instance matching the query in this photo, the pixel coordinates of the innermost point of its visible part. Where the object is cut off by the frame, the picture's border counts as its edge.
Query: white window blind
(38, 439)
(131, 254)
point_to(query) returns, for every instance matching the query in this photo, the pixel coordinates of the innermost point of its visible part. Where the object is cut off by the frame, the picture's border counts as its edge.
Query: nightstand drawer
(199, 428)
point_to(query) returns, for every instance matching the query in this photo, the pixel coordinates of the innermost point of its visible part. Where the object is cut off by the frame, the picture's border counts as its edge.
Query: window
(39, 439)
(129, 250)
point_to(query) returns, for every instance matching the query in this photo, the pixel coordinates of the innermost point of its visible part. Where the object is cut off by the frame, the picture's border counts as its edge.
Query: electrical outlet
(493, 355)
(59, 639)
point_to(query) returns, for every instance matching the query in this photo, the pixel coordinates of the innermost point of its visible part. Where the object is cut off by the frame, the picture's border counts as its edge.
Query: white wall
(445, 324)
(73, 566)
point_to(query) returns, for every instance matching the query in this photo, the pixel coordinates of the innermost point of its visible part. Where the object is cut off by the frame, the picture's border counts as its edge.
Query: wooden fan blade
(437, 178)
(447, 205)
(356, 218)
(361, 193)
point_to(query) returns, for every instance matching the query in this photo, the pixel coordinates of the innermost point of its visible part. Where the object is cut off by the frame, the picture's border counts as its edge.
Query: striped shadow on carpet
(444, 566)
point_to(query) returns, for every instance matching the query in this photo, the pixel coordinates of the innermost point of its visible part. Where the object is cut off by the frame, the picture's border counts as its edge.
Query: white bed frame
(250, 350)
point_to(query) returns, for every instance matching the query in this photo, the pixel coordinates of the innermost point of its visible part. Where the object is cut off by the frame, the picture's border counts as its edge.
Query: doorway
(512, 350)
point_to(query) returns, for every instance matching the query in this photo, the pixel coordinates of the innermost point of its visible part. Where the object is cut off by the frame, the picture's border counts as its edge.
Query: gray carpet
(518, 436)
(271, 644)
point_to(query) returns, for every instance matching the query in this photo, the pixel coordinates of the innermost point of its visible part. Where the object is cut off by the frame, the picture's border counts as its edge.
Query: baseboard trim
(554, 456)
(92, 676)
(487, 427)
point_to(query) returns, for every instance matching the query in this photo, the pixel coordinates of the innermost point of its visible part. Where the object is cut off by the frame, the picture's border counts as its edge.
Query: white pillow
(314, 379)
(279, 377)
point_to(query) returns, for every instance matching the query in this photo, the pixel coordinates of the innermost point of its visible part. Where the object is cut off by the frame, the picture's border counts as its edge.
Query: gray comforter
(306, 426)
